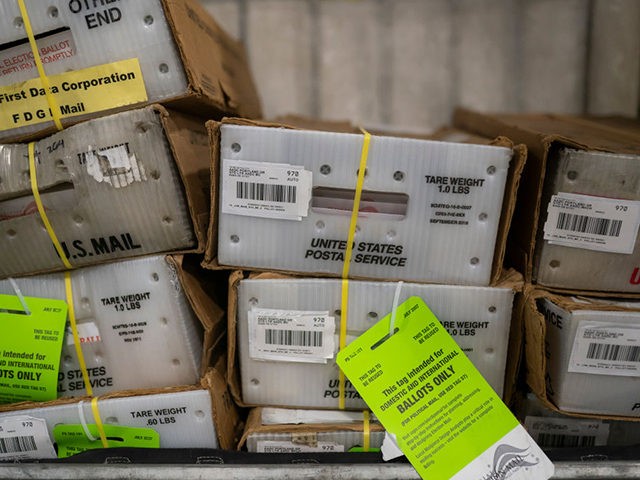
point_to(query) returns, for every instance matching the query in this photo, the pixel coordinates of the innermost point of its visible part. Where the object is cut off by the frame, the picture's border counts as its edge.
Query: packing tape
(364, 155)
(366, 431)
(98, 420)
(68, 287)
(41, 210)
(53, 105)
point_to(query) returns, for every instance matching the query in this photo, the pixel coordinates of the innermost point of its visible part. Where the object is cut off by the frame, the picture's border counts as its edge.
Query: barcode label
(592, 223)
(17, 444)
(266, 192)
(617, 353)
(584, 224)
(25, 437)
(553, 440)
(291, 335)
(606, 349)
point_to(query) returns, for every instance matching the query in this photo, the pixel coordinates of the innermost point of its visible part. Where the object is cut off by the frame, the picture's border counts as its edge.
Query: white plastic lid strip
(276, 416)
(429, 212)
(331, 441)
(73, 35)
(478, 318)
(110, 188)
(183, 419)
(136, 327)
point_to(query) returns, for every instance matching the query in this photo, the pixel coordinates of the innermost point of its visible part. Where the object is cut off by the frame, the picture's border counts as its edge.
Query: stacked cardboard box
(128, 178)
(576, 240)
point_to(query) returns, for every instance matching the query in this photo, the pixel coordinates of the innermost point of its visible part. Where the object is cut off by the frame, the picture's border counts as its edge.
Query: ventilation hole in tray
(325, 169)
(372, 315)
(148, 20)
(398, 176)
(155, 277)
(554, 263)
(234, 238)
(175, 362)
(366, 172)
(483, 216)
(492, 309)
(474, 261)
(236, 147)
(391, 234)
(253, 301)
(491, 170)
(167, 220)
(18, 22)
(11, 233)
(255, 381)
(155, 174)
(337, 312)
(78, 219)
(163, 68)
(199, 413)
(111, 420)
(164, 322)
(53, 12)
(68, 359)
(319, 225)
(572, 175)
(142, 127)
(489, 351)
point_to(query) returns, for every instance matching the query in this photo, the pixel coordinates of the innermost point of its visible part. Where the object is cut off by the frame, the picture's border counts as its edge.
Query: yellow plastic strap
(41, 211)
(366, 431)
(53, 105)
(364, 155)
(98, 420)
(74, 328)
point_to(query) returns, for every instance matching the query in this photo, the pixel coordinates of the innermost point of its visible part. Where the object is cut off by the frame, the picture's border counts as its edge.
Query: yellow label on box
(79, 92)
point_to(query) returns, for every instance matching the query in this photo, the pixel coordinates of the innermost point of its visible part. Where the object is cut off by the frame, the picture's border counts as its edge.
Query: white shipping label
(23, 437)
(115, 166)
(606, 349)
(567, 432)
(270, 190)
(272, 446)
(291, 335)
(592, 223)
(87, 332)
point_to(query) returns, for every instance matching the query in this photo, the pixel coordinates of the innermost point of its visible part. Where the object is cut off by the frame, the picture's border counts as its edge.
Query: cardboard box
(322, 431)
(407, 229)
(128, 184)
(198, 416)
(107, 56)
(578, 208)
(553, 430)
(277, 361)
(582, 354)
(132, 317)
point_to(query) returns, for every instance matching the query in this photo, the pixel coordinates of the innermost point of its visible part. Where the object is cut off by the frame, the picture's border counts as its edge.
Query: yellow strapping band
(366, 431)
(364, 155)
(74, 329)
(53, 105)
(41, 211)
(98, 420)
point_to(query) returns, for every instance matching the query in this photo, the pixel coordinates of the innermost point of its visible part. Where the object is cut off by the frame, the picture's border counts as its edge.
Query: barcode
(619, 353)
(297, 338)
(17, 444)
(585, 224)
(554, 440)
(266, 192)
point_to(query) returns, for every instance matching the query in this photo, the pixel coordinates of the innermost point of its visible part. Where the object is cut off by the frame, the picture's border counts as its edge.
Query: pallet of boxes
(332, 234)
(575, 236)
(110, 335)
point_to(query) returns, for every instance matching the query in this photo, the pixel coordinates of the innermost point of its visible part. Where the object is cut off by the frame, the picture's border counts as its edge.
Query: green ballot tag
(72, 439)
(30, 347)
(447, 419)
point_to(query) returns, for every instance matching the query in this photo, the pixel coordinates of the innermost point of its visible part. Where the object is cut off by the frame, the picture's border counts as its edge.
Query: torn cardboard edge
(516, 167)
(508, 279)
(535, 355)
(254, 425)
(531, 130)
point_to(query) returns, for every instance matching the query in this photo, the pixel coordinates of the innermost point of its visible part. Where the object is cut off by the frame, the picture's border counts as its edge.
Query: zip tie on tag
(364, 155)
(68, 287)
(366, 431)
(41, 210)
(16, 289)
(98, 420)
(83, 422)
(396, 299)
(53, 105)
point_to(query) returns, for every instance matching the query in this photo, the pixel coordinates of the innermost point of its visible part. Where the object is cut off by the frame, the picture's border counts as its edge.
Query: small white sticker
(88, 333)
(23, 437)
(271, 190)
(606, 349)
(291, 335)
(390, 449)
(592, 223)
(272, 446)
(115, 166)
(567, 432)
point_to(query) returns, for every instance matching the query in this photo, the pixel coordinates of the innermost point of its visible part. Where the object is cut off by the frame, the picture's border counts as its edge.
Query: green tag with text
(72, 439)
(447, 419)
(30, 348)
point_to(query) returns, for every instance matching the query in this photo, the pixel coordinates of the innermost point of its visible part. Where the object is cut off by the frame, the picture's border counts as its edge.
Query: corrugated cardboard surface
(513, 177)
(535, 349)
(168, 207)
(543, 136)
